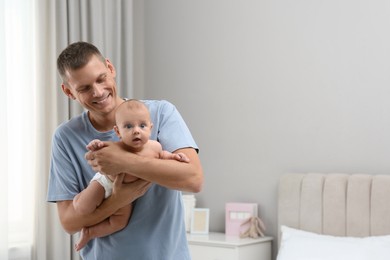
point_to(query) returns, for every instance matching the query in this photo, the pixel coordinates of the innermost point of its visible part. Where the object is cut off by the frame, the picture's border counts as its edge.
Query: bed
(334, 216)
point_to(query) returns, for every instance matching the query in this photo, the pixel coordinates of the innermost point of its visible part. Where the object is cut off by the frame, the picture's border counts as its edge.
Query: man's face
(93, 86)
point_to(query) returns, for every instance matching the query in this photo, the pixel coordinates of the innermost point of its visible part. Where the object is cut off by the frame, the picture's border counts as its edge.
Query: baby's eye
(143, 126)
(128, 126)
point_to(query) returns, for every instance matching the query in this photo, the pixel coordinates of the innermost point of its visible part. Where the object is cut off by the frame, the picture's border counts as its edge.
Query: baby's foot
(83, 240)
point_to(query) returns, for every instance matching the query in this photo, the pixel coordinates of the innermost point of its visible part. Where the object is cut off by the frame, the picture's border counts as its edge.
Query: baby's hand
(94, 145)
(181, 157)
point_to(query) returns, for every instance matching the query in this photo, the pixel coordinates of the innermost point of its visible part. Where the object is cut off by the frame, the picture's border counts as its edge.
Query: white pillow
(301, 245)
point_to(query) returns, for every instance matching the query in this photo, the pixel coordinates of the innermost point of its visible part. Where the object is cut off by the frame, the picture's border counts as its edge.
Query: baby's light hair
(131, 104)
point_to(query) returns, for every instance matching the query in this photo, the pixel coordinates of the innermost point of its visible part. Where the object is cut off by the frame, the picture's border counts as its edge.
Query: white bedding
(302, 245)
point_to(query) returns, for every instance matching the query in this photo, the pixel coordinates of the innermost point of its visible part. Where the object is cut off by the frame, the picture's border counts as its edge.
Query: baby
(133, 127)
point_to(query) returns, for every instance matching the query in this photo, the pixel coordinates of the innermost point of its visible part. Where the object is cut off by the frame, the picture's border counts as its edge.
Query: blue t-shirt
(156, 229)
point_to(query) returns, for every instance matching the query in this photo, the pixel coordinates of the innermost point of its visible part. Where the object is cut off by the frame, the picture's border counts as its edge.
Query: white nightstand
(218, 246)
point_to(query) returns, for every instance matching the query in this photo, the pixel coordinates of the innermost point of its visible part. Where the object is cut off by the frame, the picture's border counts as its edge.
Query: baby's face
(134, 127)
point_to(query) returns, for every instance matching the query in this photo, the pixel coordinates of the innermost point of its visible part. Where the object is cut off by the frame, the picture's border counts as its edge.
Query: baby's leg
(114, 223)
(89, 199)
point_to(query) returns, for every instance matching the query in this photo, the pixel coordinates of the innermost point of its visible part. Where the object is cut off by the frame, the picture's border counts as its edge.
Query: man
(156, 229)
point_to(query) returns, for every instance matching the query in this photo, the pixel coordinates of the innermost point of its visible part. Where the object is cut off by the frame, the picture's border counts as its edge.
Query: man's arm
(114, 159)
(122, 195)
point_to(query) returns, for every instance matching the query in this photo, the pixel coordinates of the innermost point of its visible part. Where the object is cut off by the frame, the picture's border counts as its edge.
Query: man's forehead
(86, 74)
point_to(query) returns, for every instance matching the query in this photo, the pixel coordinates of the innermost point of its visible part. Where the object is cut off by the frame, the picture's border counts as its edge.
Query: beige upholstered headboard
(335, 204)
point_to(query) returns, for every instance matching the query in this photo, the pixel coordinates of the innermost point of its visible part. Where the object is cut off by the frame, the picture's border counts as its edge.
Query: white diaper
(105, 182)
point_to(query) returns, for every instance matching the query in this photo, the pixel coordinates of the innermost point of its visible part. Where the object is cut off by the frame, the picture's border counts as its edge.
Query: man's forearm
(170, 173)
(123, 194)
(114, 159)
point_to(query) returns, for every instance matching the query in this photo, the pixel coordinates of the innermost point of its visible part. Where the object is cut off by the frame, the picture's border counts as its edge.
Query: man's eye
(82, 90)
(101, 79)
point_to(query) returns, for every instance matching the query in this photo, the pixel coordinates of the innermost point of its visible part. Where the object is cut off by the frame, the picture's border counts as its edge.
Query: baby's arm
(95, 145)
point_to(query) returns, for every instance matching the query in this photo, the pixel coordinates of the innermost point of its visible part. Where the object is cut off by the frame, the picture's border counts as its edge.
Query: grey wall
(270, 87)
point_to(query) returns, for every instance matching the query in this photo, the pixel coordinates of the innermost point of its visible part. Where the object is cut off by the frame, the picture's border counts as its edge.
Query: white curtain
(29, 226)
(32, 33)
(18, 129)
(49, 241)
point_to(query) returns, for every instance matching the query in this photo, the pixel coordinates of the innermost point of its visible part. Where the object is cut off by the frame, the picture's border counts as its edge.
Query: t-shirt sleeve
(63, 183)
(173, 133)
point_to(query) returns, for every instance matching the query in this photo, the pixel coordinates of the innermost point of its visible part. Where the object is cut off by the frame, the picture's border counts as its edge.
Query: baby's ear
(151, 125)
(116, 129)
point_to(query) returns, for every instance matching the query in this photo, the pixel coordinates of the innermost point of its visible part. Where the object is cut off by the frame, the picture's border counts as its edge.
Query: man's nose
(97, 90)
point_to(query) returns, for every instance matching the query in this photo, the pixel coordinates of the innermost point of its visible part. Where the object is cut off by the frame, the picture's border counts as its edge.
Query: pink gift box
(236, 214)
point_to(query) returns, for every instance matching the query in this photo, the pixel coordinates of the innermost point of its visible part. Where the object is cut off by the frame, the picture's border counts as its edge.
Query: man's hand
(126, 193)
(109, 159)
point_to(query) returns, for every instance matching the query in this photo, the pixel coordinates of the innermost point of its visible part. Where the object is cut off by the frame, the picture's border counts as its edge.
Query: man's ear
(111, 67)
(67, 92)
